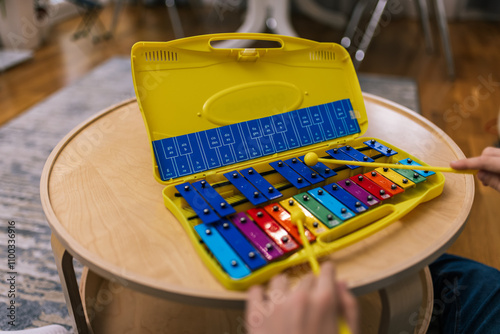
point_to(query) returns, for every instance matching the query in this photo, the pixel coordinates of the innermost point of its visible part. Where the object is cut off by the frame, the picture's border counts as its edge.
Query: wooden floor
(465, 108)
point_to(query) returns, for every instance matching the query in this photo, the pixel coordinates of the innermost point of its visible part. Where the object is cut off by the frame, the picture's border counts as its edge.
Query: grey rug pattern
(11, 58)
(401, 90)
(25, 144)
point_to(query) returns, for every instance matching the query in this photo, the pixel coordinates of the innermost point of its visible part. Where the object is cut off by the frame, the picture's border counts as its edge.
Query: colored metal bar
(410, 162)
(321, 169)
(259, 182)
(318, 210)
(331, 203)
(252, 258)
(284, 219)
(371, 187)
(257, 237)
(279, 235)
(397, 178)
(306, 172)
(387, 151)
(389, 186)
(253, 195)
(289, 174)
(355, 154)
(339, 155)
(197, 203)
(410, 175)
(346, 198)
(225, 255)
(362, 195)
(312, 223)
(218, 203)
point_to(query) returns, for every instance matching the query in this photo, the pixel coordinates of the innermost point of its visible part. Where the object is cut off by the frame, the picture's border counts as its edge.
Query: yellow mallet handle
(312, 159)
(298, 219)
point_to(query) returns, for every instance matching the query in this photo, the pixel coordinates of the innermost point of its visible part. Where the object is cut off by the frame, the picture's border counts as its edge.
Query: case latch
(248, 55)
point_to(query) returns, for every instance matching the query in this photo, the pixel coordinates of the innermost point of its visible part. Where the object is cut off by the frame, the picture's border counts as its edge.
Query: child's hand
(488, 164)
(313, 307)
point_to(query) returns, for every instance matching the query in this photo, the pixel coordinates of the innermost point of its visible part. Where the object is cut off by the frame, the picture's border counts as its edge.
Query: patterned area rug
(25, 144)
(10, 58)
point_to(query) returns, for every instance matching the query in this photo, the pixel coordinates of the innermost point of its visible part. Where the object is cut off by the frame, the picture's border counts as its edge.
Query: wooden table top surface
(106, 209)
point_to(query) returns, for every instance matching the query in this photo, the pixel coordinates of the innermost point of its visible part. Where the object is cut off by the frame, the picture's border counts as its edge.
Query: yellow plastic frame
(303, 73)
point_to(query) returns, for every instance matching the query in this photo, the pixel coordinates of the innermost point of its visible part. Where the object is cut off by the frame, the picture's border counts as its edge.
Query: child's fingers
(489, 179)
(484, 162)
(348, 307)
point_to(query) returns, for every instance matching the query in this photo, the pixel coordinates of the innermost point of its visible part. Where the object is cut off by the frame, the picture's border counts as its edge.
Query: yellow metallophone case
(190, 86)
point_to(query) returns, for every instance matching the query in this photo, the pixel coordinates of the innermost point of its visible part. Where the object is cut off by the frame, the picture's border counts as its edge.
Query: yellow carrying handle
(312, 159)
(298, 218)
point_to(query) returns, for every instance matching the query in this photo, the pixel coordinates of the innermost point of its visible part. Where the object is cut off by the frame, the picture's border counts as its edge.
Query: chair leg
(102, 33)
(94, 17)
(116, 14)
(255, 21)
(321, 14)
(89, 18)
(369, 32)
(81, 29)
(426, 26)
(280, 11)
(445, 36)
(352, 26)
(174, 18)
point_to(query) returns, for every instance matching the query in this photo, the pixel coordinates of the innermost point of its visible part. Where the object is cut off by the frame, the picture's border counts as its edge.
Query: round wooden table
(106, 210)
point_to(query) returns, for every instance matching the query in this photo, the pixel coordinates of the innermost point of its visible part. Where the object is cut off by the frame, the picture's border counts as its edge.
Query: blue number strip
(240, 244)
(351, 120)
(246, 188)
(225, 255)
(165, 165)
(380, 148)
(346, 198)
(332, 204)
(338, 154)
(295, 179)
(197, 203)
(410, 162)
(261, 183)
(204, 150)
(306, 172)
(219, 204)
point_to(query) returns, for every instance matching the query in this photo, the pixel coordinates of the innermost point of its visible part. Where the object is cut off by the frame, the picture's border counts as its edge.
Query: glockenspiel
(229, 131)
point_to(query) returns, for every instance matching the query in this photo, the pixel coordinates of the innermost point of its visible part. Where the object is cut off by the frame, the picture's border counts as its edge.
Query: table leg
(64, 262)
(402, 305)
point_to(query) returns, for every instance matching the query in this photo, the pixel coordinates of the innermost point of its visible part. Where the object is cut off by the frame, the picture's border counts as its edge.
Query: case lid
(189, 85)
